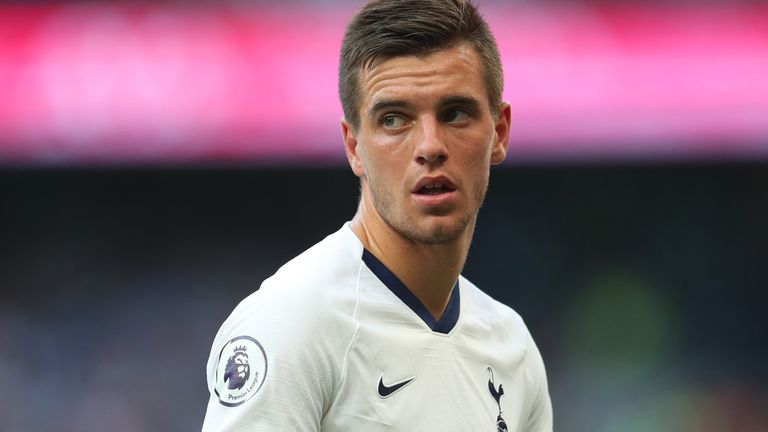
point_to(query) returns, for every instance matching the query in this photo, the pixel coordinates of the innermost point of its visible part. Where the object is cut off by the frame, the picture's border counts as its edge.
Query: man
(374, 328)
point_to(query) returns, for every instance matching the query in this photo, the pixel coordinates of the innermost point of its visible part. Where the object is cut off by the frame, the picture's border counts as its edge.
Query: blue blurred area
(644, 286)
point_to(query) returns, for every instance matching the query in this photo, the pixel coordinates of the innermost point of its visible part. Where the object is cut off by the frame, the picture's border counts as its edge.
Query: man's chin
(437, 232)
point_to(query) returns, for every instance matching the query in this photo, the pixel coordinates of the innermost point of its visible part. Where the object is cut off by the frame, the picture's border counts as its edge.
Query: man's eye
(455, 116)
(392, 121)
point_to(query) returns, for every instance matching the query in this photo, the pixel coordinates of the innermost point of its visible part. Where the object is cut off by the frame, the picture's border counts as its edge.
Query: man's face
(426, 141)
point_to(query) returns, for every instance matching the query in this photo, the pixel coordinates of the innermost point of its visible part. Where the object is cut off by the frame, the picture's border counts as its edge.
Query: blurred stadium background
(159, 159)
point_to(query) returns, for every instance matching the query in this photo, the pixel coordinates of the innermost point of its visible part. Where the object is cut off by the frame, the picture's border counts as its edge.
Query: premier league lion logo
(237, 370)
(240, 371)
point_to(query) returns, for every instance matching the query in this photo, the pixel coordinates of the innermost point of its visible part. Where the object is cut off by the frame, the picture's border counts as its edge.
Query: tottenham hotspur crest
(241, 370)
(501, 425)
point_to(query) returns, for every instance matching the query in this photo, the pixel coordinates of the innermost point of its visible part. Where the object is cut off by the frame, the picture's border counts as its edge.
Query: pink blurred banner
(99, 83)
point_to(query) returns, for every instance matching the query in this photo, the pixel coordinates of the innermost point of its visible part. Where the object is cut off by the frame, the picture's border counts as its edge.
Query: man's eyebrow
(386, 104)
(466, 101)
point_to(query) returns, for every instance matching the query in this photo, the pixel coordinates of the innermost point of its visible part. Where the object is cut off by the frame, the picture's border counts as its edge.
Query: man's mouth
(433, 189)
(435, 185)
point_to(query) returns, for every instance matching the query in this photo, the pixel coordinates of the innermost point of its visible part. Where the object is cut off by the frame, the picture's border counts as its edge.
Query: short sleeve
(540, 418)
(273, 365)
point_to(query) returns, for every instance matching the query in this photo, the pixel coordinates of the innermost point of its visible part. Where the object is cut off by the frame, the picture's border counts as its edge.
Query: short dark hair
(390, 28)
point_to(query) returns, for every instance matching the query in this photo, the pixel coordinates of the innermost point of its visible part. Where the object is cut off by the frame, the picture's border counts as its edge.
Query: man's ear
(349, 135)
(501, 143)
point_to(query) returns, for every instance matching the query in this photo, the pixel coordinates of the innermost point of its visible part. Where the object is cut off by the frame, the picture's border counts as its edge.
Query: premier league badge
(241, 370)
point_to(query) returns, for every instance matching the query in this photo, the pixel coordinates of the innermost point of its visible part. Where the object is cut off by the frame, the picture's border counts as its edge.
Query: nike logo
(387, 391)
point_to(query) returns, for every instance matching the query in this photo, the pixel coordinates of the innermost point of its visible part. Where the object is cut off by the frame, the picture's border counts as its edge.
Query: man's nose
(430, 142)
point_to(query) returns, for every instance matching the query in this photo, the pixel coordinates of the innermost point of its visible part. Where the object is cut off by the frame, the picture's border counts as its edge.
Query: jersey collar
(447, 321)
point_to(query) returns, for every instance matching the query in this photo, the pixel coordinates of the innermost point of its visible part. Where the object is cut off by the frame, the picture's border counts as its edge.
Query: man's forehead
(462, 50)
(454, 71)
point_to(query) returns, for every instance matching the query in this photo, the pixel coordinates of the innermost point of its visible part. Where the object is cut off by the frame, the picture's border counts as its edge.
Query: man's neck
(429, 271)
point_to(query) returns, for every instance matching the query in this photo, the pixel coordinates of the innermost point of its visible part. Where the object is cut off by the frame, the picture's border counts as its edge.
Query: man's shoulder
(307, 306)
(485, 301)
(294, 331)
(503, 325)
(491, 310)
(321, 269)
(319, 280)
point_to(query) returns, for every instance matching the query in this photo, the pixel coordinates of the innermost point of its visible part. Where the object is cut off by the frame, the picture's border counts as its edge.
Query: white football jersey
(334, 342)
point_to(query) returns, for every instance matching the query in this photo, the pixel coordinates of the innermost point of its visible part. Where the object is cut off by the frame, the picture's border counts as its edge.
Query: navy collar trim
(450, 317)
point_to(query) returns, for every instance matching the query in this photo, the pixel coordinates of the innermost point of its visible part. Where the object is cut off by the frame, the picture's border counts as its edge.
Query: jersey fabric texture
(333, 342)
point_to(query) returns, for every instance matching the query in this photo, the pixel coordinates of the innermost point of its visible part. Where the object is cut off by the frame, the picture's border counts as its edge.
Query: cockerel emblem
(501, 425)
